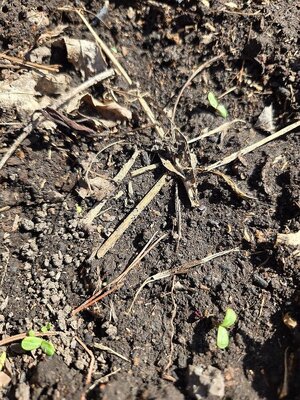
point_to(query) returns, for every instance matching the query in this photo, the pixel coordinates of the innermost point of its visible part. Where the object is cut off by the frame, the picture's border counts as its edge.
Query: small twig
(220, 128)
(111, 241)
(183, 269)
(21, 336)
(126, 167)
(20, 61)
(252, 147)
(59, 103)
(111, 351)
(103, 379)
(118, 282)
(92, 362)
(198, 70)
(142, 170)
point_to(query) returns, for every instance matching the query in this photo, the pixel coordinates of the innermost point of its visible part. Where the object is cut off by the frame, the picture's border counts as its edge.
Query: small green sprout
(2, 360)
(214, 103)
(32, 342)
(223, 335)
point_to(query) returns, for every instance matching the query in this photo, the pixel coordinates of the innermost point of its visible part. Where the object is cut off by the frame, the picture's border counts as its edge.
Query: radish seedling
(222, 334)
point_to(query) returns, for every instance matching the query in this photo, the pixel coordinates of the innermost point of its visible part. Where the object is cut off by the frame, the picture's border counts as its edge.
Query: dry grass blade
(220, 128)
(111, 351)
(233, 186)
(41, 67)
(179, 270)
(198, 70)
(59, 103)
(111, 241)
(252, 147)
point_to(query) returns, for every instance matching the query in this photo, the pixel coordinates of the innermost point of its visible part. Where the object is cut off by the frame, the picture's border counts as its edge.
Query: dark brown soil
(45, 252)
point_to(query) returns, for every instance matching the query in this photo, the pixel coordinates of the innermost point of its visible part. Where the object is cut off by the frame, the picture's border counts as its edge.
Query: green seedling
(2, 360)
(214, 103)
(222, 334)
(32, 342)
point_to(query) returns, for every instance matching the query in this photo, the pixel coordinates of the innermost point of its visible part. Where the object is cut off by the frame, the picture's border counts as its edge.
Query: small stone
(27, 225)
(68, 259)
(55, 298)
(205, 382)
(57, 260)
(22, 392)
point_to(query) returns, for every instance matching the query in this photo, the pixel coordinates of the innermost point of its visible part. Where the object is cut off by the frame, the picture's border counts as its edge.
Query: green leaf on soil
(31, 343)
(222, 337)
(46, 327)
(229, 319)
(222, 111)
(213, 101)
(48, 348)
(31, 333)
(2, 360)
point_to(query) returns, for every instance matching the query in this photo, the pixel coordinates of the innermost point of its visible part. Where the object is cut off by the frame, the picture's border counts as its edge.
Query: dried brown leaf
(109, 110)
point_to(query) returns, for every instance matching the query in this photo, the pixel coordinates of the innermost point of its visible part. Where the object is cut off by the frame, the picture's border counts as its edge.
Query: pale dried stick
(126, 167)
(142, 170)
(92, 362)
(252, 147)
(20, 61)
(111, 351)
(59, 103)
(183, 269)
(118, 282)
(198, 70)
(220, 128)
(119, 68)
(111, 241)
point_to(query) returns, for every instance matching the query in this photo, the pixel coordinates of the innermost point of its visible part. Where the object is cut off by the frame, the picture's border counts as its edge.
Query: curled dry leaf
(110, 111)
(60, 119)
(84, 55)
(4, 379)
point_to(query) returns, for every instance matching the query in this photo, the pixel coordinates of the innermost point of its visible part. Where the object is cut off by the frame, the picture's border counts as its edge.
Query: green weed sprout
(32, 342)
(223, 335)
(214, 103)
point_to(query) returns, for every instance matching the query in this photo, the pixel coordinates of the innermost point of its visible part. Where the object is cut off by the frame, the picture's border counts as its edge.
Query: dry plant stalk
(20, 61)
(183, 269)
(118, 282)
(252, 147)
(114, 237)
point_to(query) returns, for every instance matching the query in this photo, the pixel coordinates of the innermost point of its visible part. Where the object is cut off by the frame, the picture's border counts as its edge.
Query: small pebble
(27, 225)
